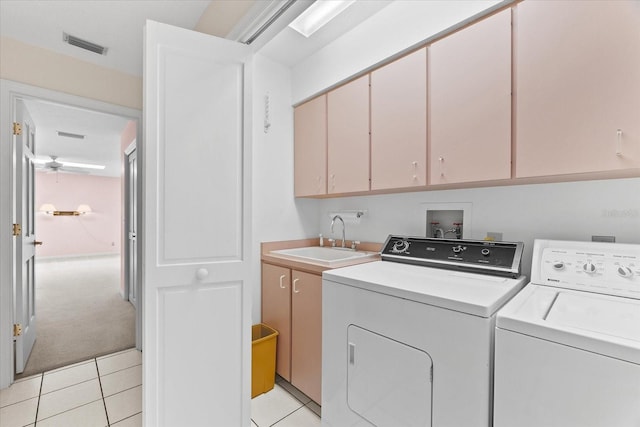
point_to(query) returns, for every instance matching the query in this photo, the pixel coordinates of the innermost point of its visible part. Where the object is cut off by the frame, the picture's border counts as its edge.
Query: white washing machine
(568, 345)
(408, 341)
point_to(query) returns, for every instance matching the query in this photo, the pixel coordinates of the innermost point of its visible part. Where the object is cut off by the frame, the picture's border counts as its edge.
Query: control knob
(400, 246)
(558, 265)
(485, 252)
(625, 272)
(589, 267)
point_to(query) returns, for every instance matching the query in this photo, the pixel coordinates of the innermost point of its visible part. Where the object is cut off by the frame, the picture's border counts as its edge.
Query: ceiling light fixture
(318, 15)
(71, 164)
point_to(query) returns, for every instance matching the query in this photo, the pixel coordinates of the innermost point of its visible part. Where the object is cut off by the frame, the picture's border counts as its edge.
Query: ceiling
(118, 25)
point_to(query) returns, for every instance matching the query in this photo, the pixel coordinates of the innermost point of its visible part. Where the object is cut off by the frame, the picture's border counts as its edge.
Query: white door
(25, 310)
(132, 254)
(196, 229)
(131, 178)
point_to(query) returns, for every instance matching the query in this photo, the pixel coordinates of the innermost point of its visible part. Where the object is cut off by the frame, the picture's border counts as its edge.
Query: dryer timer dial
(589, 267)
(624, 272)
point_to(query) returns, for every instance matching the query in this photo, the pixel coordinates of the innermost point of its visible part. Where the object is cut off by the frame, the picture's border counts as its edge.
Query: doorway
(70, 217)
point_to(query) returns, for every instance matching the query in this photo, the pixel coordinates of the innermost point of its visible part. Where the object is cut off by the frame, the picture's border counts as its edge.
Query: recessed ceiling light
(318, 15)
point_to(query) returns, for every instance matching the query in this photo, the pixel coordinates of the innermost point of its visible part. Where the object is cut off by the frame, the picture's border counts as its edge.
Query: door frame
(9, 92)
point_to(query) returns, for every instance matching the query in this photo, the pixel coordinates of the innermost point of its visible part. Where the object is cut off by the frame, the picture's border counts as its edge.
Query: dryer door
(388, 383)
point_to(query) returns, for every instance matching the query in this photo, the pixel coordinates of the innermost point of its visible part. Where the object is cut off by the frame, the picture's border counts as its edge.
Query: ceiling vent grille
(84, 44)
(70, 135)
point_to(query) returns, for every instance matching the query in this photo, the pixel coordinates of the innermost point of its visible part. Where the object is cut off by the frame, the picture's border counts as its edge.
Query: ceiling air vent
(70, 135)
(83, 44)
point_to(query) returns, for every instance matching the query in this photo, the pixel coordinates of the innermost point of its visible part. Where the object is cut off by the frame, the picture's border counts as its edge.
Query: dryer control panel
(605, 268)
(478, 256)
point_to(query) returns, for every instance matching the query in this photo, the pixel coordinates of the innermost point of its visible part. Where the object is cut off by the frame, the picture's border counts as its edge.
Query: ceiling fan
(55, 165)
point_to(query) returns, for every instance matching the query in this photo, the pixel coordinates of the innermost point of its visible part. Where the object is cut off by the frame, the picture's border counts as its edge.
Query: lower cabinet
(292, 304)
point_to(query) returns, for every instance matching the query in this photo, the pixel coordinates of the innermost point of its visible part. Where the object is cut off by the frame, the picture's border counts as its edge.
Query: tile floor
(107, 391)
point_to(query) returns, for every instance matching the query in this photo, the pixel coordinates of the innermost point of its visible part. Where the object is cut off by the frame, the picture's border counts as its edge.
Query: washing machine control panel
(498, 258)
(606, 268)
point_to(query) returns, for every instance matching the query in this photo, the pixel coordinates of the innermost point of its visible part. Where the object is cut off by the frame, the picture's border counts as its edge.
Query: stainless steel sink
(323, 255)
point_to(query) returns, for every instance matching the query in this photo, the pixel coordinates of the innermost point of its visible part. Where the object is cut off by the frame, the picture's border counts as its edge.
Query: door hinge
(17, 229)
(17, 128)
(17, 329)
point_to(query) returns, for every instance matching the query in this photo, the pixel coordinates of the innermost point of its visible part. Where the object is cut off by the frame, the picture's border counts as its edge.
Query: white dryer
(568, 345)
(408, 341)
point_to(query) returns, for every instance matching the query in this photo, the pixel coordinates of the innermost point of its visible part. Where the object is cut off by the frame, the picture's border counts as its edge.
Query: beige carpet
(80, 313)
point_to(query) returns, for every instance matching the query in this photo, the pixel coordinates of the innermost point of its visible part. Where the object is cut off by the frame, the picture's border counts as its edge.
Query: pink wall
(94, 233)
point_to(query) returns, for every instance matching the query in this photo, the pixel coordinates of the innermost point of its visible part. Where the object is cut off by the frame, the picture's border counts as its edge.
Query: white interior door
(132, 223)
(25, 302)
(196, 229)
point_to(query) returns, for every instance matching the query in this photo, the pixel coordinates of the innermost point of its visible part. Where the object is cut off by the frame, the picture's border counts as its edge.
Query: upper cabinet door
(348, 137)
(399, 123)
(577, 69)
(310, 147)
(470, 103)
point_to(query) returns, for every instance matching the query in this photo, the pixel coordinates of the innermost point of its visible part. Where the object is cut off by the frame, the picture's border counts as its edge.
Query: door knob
(37, 243)
(202, 273)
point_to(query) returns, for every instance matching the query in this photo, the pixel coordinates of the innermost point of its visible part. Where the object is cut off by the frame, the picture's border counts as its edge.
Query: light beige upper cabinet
(306, 333)
(399, 123)
(470, 103)
(310, 147)
(577, 74)
(348, 137)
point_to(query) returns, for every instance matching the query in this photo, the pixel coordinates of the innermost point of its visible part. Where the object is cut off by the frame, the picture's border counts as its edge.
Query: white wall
(276, 214)
(564, 211)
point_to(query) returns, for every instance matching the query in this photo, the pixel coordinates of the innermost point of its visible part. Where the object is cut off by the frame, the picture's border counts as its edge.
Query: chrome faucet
(333, 221)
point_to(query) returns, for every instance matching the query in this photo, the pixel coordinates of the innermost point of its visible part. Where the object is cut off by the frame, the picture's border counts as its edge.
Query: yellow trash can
(263, 358)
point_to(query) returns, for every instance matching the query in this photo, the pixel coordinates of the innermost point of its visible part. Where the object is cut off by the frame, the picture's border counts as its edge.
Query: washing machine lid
(602, 324)
(471, 293)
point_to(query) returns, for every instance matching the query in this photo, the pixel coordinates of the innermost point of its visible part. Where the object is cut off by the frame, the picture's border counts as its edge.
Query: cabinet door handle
(282, 281)
(619, 142)
(295, 289)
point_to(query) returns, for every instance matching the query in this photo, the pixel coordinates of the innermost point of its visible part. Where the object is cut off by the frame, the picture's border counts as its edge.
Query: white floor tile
(27, 378)
(67, 377)
(20, 391)
(134, 421)
(68, 398)
(270, 407)
(119, 361)
(121, 380)
(124, 404)
(106, 356)
(89, 415)
(62, 368)
(19, 414)
(302, 417)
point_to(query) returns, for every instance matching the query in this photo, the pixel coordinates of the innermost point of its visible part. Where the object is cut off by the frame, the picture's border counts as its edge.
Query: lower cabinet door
(306, 333)
(276, 313)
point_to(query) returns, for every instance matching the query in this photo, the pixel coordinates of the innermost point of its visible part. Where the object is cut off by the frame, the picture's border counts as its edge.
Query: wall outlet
(608, 239)
(494, 236)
